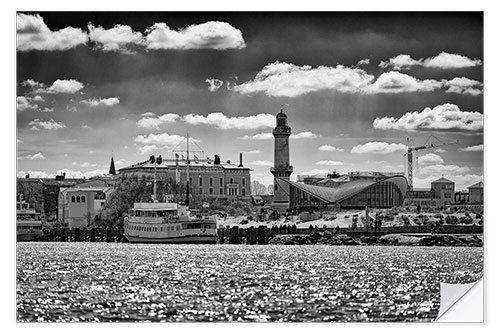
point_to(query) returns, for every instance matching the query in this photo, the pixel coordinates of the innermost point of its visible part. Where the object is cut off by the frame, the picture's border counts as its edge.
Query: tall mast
(187, 169)
(154, 182)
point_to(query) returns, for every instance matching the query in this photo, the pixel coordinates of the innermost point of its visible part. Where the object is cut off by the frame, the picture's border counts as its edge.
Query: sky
(354, 86)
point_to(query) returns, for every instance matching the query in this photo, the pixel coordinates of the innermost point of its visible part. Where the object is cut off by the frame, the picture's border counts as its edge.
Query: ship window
(83, 199)
(72, 198)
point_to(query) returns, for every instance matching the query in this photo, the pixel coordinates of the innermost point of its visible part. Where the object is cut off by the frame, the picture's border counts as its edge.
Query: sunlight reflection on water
(60, 282)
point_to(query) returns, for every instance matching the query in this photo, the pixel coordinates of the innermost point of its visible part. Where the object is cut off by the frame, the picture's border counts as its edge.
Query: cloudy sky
(355, 85)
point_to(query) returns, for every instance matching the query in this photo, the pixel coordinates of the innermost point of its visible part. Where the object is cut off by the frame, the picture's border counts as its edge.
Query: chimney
(241, 160)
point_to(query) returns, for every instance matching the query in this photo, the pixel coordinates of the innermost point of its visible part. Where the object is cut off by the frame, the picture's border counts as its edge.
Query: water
(60, 282)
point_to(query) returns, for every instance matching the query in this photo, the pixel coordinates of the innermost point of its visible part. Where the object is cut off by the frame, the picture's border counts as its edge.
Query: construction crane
(426, 145)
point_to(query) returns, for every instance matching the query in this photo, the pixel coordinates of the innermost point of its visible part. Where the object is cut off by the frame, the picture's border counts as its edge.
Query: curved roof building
(357, 193)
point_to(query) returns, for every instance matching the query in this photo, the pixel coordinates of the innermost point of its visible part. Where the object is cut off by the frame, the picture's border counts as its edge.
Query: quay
(290, 234)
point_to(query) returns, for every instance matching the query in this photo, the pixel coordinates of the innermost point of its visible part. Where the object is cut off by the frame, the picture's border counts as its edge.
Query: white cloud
(25, 103)
(304, 135)
(69, 173)
(62, 87)
(315, 172)
(289, 80)
(473, 148)
(444, 61)
(448, 60)
(438, 170)
(329, 163)
(258, 136)
(329, 148)
(252, 152)
(95, 102)
(148, 114)
(122, 162)
(51, 124)
(221, 121)
(463, 85)
(80, 174)
(148, 149)
(402, 61)
(38, 98)
(429, 159)
(396, 82)
(283, 79)
(440, 150)
(32, 83)
(260, 163)
(446, 117)
(152, 122)
(87, 165)
(269, 136)
(33, 157)
(86, 127)
(33, 34)
(363, 62)
(19, 141)
(214, 84)
(209, 35)
(114, 39)
(377, 147)
(163, 140)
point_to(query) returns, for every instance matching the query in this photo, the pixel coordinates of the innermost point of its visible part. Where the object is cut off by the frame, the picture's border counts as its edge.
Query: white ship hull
(193, 239)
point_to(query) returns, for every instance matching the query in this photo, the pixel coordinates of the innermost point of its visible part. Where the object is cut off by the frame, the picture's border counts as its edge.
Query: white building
(79, 204)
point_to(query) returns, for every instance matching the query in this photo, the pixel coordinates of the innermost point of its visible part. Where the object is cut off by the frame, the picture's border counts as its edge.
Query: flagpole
(154, 182)
(187, 169)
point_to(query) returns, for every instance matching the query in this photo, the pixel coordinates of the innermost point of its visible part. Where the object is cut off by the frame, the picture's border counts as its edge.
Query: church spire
(112, 170)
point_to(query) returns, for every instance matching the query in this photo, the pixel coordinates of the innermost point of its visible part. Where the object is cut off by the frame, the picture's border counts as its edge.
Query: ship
(165, 222)
(168, 222)
(29, 224)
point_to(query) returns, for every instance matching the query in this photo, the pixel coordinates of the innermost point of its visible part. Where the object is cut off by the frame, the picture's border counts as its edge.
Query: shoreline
(327, 238)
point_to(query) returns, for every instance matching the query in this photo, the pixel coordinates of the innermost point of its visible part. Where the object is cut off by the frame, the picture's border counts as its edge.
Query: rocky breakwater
(328, 238)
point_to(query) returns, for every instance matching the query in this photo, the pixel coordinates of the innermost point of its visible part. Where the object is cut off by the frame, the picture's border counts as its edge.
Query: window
(230, 180)
(243, 182)
(220, 182)
(201, 190)
(447, 195)
(211, 190)
(200, 181)
(443, 187)
(275, 187)
(243, 191)
(221, 191)
(83, 199)
(78, 198)
(211, 181)
(72, 198)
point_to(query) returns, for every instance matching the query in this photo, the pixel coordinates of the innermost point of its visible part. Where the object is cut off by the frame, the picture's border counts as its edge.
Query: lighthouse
(282, 168)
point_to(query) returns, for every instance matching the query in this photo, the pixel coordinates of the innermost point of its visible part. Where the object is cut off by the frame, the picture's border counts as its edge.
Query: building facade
(358, 193)
(282, 168)
(207, 178)
(78, 205)
(476, 193)
(444, 190)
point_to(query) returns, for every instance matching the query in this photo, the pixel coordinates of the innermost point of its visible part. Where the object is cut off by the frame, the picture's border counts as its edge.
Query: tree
(256, 188)
(270, 189)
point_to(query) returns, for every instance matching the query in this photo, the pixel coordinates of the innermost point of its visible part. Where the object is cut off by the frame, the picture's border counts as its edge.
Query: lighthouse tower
(282, 167)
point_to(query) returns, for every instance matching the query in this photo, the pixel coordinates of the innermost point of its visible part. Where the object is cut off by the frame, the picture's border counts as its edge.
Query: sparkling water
(61, 282)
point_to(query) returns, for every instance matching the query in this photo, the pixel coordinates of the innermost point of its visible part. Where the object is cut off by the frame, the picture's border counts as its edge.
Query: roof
(172, 163)
(344, 190)
(442, 180)
(477, 185)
